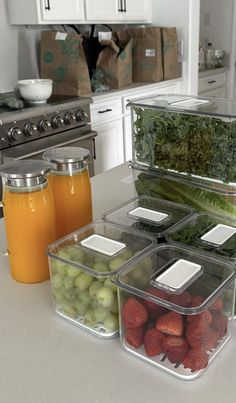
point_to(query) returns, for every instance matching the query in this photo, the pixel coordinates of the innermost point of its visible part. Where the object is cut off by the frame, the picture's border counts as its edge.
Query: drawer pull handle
(211, 81)
(105, 110)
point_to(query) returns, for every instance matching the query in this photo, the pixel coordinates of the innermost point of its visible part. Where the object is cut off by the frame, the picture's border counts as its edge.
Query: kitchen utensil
(35, 91)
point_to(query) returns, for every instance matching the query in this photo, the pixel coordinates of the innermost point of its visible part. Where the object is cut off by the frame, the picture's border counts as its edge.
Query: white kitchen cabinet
(78, 11)
(213, 83)
(109, 146)
(118, 10)
(46, 11)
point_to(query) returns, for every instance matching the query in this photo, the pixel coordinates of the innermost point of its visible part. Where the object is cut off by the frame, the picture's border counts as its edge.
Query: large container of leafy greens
(208, 197)
(186, 135)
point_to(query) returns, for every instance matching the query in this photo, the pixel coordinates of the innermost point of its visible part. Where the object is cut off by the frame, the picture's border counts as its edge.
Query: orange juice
(71, 188)
(72, 200)
(30, 227)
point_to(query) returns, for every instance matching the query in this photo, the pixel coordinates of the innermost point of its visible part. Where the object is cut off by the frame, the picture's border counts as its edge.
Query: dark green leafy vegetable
(191, 235)
(197, 145)
(199, 199)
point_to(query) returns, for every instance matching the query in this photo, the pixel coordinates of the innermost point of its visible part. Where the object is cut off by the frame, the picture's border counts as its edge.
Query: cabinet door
(61, 10)
(103, 10)
(136, 10)
(109, 146)
(128, 148)
(217, 93)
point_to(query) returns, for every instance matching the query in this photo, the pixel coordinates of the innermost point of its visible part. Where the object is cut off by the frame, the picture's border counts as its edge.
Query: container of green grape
(83, 265)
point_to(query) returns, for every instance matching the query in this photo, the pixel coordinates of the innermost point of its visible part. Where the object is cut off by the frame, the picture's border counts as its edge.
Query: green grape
(116, 263)
(94, 287)
(72, 272)
(58, 267)
(68, 283)
(100, 268)
(110, 284)
(99, 259)
(100, 313)
(147, 264)
(84, 296)
(105, 297)
(59, 297)
(80, 307)
(89, 318)
(115, 307)
(68, 309)
(75, 253)
(83, 281)
(64, 254)
(57, 281)
(127, 254)
(111, 322)
(94, 303)
(70, 295)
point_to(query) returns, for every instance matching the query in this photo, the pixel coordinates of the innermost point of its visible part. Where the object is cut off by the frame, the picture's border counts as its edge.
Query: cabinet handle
(94, 149)
(105, 110)
(47, 6)
(211, 81)
(120, 9)
(124, 9)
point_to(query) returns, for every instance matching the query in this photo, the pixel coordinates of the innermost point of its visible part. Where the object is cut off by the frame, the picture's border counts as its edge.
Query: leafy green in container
(197, 145)
(180, 192)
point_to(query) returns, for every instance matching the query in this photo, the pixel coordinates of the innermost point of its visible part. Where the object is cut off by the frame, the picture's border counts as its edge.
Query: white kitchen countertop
(45, 359)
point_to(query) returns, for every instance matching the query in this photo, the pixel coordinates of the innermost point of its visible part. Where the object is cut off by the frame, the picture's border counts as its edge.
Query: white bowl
(35, 91)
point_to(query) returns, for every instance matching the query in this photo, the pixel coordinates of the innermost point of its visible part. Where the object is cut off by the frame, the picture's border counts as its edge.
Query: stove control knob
(44, 125)
(57, 121)
(81, 115)
(69, 118)
(14, 133)
(29, 129)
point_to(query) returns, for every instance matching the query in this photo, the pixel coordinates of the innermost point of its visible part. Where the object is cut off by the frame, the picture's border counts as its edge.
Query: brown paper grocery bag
(63, 61)
(147, 53)
(170, 53)
(115, 65)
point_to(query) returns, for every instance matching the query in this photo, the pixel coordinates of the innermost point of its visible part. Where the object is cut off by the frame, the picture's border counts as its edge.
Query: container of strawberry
(82, 267)
(207, 232)
(151, 214)
(177, 318)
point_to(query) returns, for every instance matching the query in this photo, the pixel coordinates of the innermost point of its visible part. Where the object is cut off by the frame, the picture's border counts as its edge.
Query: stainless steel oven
(62, 121)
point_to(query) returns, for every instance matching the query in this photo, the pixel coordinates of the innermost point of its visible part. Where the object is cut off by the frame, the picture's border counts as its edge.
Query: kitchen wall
(216, 23)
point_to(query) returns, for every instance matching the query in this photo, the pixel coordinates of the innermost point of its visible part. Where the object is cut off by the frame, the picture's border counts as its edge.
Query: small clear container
(82, 267)
(209, 233)
(186, 135)
(209, 197)
(149, 214)
(177, 313)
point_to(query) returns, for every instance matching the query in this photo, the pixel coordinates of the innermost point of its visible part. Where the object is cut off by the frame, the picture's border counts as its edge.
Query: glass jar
(209, 57)
(71, 187)
(29, 217)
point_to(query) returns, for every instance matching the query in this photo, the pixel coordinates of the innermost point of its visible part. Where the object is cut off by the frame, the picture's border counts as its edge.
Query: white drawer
(208, 83)
(106, 110)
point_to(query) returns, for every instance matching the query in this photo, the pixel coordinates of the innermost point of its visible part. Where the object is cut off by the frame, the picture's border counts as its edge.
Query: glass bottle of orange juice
(71, 187)
(28, 209)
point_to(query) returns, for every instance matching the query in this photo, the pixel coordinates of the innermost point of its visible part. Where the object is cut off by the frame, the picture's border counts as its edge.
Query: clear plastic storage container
(176, 313)
(209, 197)
(82, 266)
(187, 135)
(149, 214)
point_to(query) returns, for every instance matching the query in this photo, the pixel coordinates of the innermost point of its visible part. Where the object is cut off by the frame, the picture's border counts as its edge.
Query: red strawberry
(134, 314)
(196, 300)
(205, 315)
(220, 324)
(155, 310)
(153, 342)
(134, 336)
(170, 323)
(196, 332)
(183, 299)
(217, 306)
(175, 348)
(212, 339)
(195, 359)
